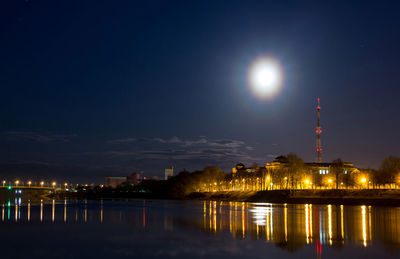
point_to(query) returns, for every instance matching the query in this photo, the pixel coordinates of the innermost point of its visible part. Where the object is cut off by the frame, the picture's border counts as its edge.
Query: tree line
(292, 174)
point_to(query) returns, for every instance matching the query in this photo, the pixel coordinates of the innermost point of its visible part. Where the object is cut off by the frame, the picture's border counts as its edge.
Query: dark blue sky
(95, 88)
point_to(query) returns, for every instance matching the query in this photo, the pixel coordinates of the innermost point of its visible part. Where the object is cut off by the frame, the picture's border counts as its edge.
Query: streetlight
(4, 183)
(307, 182)
(29, 184)
(364, 181)
(41, 184)
(65, 185)
(16, 182)
(54, 184)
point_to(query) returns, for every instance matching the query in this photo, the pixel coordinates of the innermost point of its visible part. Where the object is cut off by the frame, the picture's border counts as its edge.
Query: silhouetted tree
(389, 168)
(337, 170)
(295, 169)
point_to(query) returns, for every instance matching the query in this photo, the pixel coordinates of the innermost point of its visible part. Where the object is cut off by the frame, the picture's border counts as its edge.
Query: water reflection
(293, 226)
(289, 226)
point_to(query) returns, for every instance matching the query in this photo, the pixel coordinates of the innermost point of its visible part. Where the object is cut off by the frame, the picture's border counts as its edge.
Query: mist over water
(201, 229)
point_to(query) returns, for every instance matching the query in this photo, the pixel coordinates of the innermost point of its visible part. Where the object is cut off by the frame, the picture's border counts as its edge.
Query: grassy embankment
(350, 197)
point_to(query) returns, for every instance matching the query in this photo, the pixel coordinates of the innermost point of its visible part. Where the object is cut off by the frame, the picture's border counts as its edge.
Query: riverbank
(339, 197)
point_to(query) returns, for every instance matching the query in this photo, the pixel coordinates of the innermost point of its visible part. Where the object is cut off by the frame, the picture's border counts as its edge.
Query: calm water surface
(180, 229)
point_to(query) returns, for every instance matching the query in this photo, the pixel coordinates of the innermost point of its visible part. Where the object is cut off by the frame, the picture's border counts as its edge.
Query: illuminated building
(168, 173)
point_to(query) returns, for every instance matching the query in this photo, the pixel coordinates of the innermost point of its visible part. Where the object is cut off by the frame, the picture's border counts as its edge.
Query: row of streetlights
(17, 182)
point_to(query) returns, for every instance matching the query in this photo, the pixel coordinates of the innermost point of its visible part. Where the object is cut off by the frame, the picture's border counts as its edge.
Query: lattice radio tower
(318, 131)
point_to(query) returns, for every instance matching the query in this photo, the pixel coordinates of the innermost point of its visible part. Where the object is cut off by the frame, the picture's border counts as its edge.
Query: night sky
(105, 88)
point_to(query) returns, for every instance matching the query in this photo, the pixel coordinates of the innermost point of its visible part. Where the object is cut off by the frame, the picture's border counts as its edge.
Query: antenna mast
(318, 131)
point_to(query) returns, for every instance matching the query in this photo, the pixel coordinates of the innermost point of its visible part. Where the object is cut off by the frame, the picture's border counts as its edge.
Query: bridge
(24, 192)
(12, 187)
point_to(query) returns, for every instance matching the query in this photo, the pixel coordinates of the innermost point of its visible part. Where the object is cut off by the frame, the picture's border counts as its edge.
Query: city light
(16, 182)
(363, 180)
(41, 184)
(29, 183)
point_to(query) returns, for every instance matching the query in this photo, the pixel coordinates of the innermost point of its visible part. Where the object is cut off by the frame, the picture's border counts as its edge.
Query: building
(168, 173)
(316, 174)
(113, 182)
(136, 178)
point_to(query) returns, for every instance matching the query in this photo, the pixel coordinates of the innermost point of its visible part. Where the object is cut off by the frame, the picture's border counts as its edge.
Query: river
(196, 229)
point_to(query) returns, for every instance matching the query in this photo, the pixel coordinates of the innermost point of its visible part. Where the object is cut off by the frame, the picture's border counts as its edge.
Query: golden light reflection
(2, 213)
(311, 223)
(204, 214)
(53, 210)
(215, 216)
(330, 223)
(16, 212)
(364, 225)
(369, 222)
(243, 220)
(210, 214)
(65, 210)
(29, 211)
(85, 211)
(101, 211)
(267, 225)
(307, 223)
(285, 215)
(341, 222)
(41, 210)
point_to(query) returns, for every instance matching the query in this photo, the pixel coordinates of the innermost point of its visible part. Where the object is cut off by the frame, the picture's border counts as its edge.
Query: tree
(337, 170)
(295, 169)
(212, 175)
(388, 170)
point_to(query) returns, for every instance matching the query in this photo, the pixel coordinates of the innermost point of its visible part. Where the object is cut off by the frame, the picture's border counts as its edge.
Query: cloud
(31, 136)
(119, 156)
(202, 141)
(124, 140)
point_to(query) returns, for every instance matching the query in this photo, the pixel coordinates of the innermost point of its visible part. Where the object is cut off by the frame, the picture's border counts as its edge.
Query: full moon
(265, 78)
